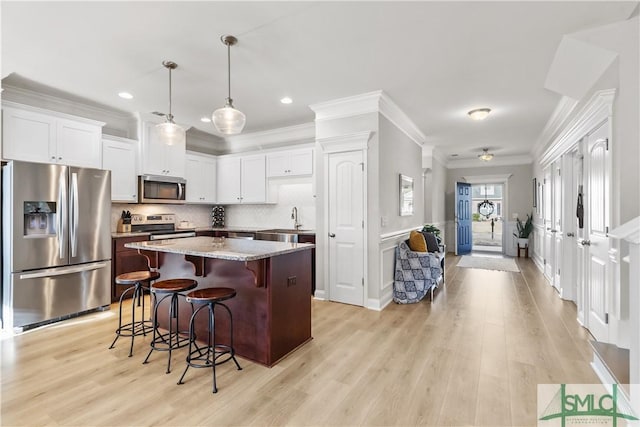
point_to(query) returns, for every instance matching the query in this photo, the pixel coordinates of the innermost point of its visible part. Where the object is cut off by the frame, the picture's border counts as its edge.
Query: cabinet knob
(53, 157)
(59, 158)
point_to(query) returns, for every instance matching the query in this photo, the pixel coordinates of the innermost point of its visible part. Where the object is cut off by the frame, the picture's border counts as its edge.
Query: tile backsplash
(299, 194)
(277, 215)
(199, 215)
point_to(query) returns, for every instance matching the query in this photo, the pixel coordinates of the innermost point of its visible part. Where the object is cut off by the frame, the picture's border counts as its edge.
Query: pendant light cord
(170, 115)
(229, 72)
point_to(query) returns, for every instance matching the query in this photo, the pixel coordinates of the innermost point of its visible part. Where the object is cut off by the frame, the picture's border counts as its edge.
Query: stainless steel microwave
(161, 189)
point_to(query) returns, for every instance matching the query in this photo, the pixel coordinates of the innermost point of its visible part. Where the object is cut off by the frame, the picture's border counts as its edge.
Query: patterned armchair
(416, 273)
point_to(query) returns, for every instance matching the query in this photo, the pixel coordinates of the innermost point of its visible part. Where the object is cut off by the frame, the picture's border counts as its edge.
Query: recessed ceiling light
(479, 113)
(125, 95)
(286, 100)
(205, 119)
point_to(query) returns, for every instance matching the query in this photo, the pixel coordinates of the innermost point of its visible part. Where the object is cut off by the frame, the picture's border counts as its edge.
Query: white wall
(435, 180)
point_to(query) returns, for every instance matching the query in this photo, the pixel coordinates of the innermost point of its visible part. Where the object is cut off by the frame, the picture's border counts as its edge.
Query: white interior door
(346, 228)
(596, 230)
(549, 247)
(556, 229)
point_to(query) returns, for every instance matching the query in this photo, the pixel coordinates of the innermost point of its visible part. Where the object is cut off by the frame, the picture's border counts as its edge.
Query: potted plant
(430, 228)
(524, 230)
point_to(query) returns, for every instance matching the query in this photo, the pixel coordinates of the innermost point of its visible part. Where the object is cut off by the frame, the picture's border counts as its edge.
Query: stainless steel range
(161, 226)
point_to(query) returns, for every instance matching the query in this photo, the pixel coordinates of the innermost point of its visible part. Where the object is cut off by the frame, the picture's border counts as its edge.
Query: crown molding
(52, 113)
(560, 114)
(371, 102)
(487, 179)
(348, 106)
(305, 132)
(349, 142)
(496, 161)
(597, 109)
(32, 98)
(399, 118)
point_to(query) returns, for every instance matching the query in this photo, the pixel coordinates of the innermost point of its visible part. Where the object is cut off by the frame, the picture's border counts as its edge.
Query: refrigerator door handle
(61, 271)
(62, 211)
(75, 211)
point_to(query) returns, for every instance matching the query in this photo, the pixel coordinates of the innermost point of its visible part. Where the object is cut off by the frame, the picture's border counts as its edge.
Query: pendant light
(227, 119)
(486, 155)
(169, 131)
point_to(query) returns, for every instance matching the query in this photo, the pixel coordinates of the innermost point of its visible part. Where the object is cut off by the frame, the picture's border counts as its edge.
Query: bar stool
(172, 339)
(202, 357)
(137, 279)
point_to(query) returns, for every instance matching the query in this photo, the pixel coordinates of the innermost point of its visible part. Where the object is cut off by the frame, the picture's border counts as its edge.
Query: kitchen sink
(284, 231)
(280, 235)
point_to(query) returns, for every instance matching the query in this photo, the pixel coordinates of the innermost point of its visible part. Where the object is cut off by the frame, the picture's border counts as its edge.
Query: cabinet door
(174, 156)
(78, 144)
(228, 180)
(28, 136)
(254, 179)
(193, 175)
(209, 177)
(153, 151)
(120, 158)
(301, 162)
(277, 164)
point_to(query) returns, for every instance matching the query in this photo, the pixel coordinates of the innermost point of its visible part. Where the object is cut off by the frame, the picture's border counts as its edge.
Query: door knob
(332, 235)
(586, 243)
(570, 234)
(554, 231)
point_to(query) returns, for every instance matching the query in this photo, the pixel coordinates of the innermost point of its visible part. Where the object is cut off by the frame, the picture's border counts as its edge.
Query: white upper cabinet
(242, 179)
(290, 163)
(120, 156)
(159, 158)
(201, 178)
(35, 135)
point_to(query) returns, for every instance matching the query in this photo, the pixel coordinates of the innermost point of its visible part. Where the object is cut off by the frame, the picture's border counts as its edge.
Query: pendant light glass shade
(169, 132)
(227, 119)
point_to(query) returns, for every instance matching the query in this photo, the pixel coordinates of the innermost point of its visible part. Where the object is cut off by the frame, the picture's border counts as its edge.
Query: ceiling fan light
(171, 133)
(479, 113)
(228, 120)
(485, 156)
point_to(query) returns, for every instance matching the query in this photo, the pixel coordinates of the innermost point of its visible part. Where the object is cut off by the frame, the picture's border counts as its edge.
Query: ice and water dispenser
(40, 219)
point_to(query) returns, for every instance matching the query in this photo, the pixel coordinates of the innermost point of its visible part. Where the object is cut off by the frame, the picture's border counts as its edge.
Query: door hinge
(607, 142)
(363, 281)
(558, 272)
(559, 172)
(362, 166)
(606, 231)
(363, 223)
(544, 261)
(606, 318)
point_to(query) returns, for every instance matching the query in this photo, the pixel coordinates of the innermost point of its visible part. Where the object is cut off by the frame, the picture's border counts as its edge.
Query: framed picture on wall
(535, 193)
(406, 195)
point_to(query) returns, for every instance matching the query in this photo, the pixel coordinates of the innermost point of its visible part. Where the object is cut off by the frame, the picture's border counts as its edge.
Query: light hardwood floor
(472, 357)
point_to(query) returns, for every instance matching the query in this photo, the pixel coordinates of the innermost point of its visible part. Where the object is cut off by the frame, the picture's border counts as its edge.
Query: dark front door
(463, 217)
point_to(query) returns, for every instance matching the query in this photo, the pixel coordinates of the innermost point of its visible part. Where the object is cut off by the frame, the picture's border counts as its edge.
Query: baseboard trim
(320, 295)
(379, 304)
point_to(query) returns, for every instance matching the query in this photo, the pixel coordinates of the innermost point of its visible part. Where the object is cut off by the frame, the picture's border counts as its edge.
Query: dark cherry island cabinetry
(125, 260)
(272, 308)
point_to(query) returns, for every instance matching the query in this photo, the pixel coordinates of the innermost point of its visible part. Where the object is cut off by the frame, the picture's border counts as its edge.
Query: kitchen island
(272, 308)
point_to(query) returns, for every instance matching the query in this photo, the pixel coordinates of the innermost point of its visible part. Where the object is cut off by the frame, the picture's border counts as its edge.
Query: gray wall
(398, 155)
(520, 188)
(434, 190)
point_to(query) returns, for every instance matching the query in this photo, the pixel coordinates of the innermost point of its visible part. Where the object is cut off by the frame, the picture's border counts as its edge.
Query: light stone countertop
(233, 249)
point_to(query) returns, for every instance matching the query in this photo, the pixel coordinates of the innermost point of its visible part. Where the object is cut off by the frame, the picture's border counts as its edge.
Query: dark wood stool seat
(212, 354)
(173, 285)
(136, 276)
(174, 338)
(137, 281)
(202, 296)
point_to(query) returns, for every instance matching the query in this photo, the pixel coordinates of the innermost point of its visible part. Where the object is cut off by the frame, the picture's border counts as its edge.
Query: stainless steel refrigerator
(56, 242)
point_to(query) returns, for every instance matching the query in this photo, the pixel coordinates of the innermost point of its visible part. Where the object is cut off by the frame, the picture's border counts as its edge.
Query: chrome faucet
(294, 217)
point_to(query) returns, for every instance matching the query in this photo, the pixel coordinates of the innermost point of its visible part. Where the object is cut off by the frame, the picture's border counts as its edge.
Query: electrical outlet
(291, 281)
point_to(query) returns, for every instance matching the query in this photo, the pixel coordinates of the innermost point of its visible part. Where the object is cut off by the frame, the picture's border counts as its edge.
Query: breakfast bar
(272, 308)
